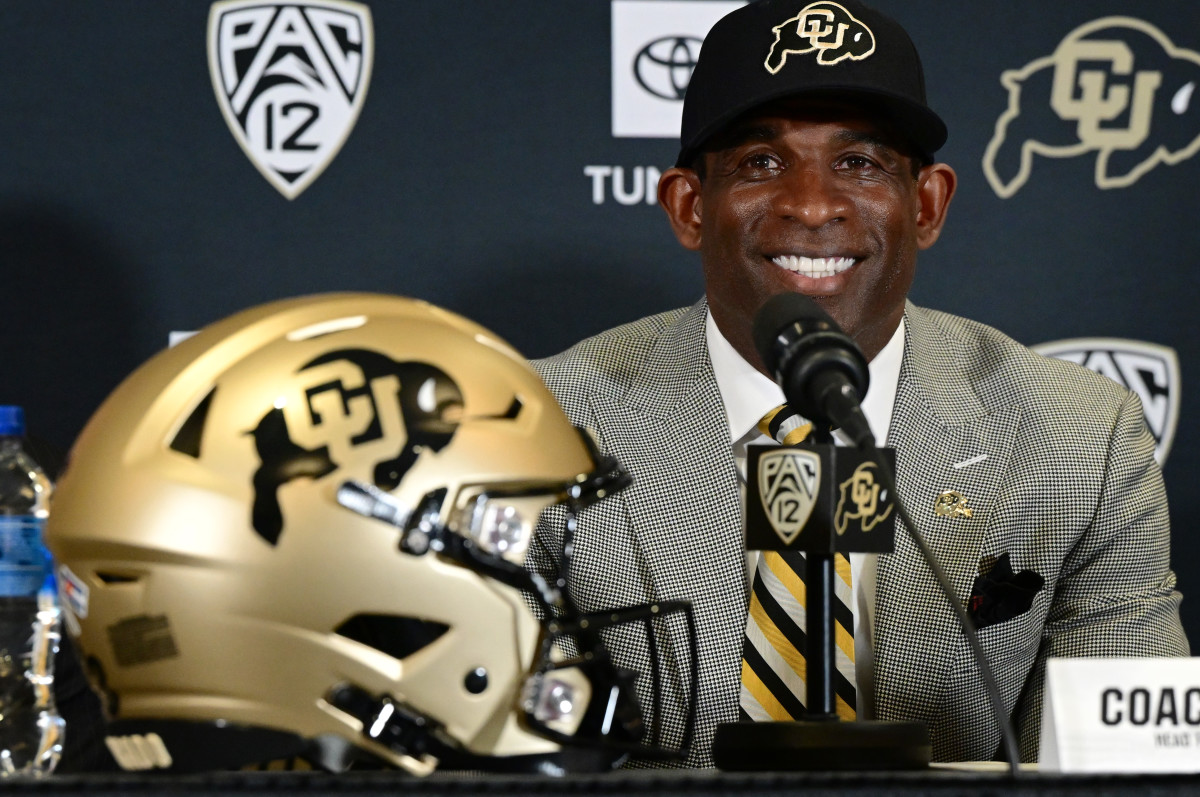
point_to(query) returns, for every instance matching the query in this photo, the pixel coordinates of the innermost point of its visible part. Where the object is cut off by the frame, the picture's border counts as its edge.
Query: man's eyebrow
(754, 131)
(848, 136)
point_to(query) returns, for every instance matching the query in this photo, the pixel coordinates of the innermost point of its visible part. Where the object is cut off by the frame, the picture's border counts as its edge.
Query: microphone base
(821, 746)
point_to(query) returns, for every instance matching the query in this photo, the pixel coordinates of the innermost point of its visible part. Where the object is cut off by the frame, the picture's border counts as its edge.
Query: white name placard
(1121, 715)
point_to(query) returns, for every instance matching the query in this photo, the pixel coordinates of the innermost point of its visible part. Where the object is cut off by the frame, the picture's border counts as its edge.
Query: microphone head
(796, 340)
(781, 314)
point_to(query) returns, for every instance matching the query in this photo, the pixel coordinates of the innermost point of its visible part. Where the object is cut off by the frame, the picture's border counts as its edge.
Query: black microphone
(822, 371)
(824, 376)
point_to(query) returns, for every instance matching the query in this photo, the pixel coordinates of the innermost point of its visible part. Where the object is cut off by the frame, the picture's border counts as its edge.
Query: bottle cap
(12, 421)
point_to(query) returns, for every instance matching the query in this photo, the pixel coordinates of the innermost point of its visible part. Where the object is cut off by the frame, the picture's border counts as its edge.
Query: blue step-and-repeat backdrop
(164, 163)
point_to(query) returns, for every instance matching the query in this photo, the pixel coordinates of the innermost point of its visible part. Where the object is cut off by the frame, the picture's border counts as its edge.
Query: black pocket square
(999, 594)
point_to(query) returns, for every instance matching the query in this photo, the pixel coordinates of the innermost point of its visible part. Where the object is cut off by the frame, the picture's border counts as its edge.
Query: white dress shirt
(748, 395)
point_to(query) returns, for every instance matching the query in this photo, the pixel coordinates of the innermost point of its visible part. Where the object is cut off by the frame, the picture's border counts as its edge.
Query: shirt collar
(749, 394)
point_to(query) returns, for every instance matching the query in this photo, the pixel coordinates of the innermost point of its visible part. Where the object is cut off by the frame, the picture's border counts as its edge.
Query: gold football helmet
(301, 533)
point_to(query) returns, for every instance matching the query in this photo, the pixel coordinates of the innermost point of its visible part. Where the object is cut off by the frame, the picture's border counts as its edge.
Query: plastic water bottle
(31, 732)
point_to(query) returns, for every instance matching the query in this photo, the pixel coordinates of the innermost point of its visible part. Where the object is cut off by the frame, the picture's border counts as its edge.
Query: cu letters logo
(825, 28)
(861, 498)
(290, 79)
(1149, 370)
(787, 486)
(354, 407)
(1115, 86)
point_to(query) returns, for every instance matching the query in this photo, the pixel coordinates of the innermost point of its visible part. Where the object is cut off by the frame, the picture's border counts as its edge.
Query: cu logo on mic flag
(861, 499)
(817, 498)
(290, 79)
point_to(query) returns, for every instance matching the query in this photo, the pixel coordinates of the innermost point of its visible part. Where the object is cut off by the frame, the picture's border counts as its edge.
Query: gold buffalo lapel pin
(952, 503)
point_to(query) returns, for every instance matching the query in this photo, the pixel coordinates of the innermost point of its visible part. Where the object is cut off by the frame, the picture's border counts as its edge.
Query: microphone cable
(1008, 736)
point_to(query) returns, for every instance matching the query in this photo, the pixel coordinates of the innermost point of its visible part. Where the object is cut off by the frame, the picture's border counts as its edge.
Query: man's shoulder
(609, 362)
(1005, 372)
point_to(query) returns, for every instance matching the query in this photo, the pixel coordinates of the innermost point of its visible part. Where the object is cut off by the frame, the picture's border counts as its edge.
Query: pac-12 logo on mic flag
(290, 79)
(788, 479)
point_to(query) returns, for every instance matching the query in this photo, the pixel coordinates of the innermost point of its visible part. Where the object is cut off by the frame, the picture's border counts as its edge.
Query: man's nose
(812, 197)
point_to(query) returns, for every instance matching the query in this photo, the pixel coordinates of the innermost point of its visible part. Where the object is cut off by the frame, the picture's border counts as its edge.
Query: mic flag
(817, 498)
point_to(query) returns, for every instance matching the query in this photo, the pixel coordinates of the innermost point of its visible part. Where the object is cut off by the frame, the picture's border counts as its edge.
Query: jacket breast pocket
(1014, 642)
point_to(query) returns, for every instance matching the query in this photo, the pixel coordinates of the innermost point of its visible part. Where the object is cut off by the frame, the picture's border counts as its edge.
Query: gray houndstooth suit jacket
(1069, 488)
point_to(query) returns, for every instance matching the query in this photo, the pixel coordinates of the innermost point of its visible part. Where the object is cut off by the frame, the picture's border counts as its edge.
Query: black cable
(1007, 734)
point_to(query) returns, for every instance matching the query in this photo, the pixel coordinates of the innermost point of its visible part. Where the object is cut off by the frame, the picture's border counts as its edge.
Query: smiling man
(814, 197)
(806, 165)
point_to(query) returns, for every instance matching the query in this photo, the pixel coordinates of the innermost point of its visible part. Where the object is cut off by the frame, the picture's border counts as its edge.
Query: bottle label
(24, 562)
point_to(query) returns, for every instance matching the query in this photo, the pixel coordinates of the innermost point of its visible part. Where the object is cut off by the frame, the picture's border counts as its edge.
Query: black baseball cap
(777, 49)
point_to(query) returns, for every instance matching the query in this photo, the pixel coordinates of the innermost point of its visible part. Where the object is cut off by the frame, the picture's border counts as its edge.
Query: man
(806, 166)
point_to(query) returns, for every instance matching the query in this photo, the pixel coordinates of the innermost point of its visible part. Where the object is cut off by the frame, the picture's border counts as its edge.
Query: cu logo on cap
(664, 66)
(825, 28)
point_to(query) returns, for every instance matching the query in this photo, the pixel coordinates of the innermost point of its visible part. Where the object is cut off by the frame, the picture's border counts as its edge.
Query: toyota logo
(664, 66)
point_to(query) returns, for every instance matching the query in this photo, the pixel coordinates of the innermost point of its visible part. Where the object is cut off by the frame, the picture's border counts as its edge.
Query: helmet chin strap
(416, 738)
(423, 745)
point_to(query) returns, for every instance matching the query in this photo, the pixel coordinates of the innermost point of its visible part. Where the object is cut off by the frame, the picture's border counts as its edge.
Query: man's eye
(759, 161)
(857, 162)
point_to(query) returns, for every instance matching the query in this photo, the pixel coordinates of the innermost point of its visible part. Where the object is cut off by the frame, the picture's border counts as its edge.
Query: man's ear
(935, 189)
(679, 195)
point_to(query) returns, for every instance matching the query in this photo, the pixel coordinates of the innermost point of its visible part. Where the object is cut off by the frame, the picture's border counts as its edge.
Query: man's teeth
(814, 266)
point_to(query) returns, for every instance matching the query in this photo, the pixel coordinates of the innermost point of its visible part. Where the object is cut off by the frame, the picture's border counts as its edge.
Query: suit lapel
(671, 433)
(945, 439)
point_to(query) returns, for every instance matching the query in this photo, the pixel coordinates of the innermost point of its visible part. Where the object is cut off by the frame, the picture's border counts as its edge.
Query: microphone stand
(823, 374)
(820, 740)
(819, 654)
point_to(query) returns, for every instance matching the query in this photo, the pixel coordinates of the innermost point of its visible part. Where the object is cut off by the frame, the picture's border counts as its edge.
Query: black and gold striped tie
(773, 667)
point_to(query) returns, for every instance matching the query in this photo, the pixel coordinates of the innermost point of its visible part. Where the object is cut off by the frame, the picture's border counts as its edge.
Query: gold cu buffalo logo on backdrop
(1116, 86)
(825, 28)
(859, 499)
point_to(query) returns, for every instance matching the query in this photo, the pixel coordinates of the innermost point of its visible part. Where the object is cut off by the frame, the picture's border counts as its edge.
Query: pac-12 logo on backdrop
(290, 78)
(1148, 369)
(1116, 87)
(654, 48)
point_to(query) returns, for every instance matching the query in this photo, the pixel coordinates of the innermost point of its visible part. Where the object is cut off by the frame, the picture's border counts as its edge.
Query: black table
(695, 783)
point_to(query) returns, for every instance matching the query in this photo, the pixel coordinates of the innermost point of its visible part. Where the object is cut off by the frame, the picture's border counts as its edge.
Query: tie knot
(785, 425)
